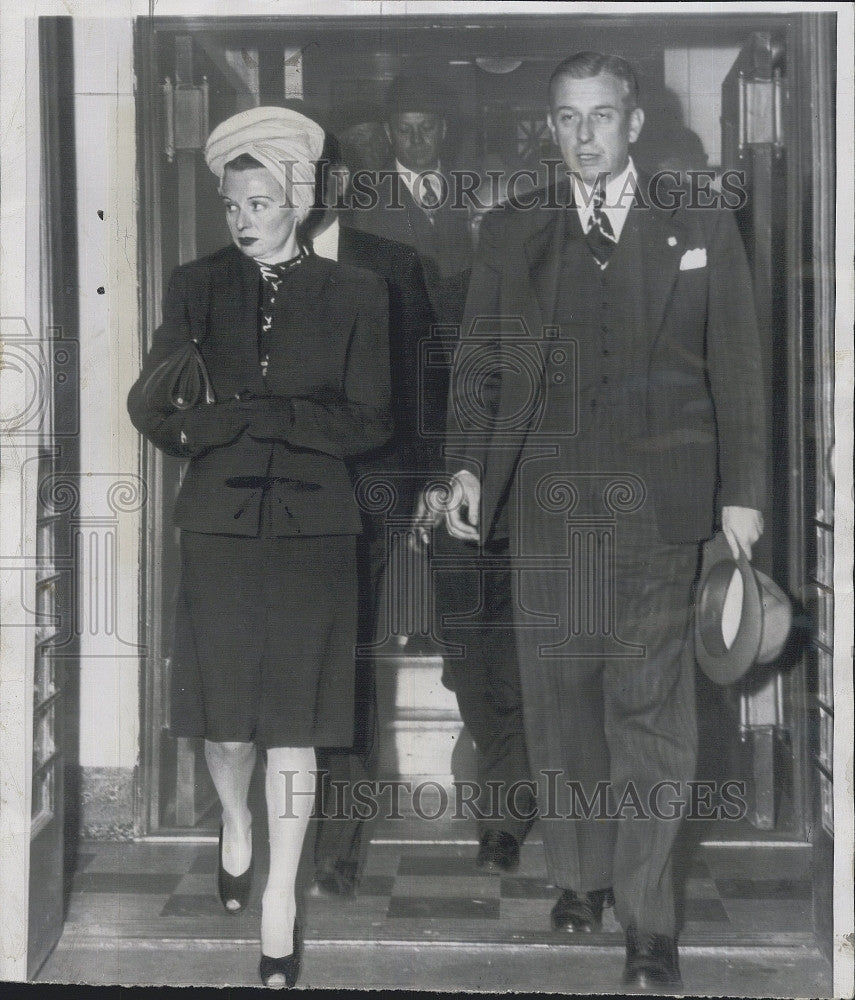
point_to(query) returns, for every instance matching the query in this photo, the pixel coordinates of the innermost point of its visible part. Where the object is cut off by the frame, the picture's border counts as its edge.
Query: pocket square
(693, 258)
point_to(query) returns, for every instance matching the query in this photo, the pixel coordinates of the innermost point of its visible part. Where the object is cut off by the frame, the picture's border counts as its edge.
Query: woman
(296, 347)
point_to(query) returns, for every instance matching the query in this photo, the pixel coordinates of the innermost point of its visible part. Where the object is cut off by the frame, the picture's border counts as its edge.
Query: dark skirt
(265, 637)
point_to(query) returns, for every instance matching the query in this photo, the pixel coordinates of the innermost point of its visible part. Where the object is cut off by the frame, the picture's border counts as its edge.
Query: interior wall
(695, 75)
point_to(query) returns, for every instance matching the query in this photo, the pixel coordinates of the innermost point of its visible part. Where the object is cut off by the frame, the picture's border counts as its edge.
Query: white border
(16, 117)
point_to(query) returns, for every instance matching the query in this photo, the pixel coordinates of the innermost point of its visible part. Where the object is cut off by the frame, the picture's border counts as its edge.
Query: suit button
(605, 380)
(606, 351)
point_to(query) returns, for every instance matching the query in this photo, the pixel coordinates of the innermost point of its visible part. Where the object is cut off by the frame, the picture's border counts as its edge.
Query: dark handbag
(180, 382)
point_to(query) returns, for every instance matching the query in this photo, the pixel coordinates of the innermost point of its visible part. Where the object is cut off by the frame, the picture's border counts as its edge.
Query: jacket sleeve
(164, 429)
(359, 418)
(469, 446)
(735, 369)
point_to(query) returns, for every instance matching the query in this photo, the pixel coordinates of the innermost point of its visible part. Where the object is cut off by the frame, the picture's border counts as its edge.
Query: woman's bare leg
(290, 792)
(231, 766)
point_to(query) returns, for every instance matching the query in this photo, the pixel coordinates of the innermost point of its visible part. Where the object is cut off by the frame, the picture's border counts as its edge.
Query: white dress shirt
(410, 178)
(325, 244)
(620, 191)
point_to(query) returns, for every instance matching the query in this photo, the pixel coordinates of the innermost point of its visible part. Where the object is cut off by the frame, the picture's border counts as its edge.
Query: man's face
(365, 145)
(591, 125)
(416, 139)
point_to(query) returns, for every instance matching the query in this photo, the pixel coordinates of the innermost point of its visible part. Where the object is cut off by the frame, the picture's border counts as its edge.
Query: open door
(767, 708)
(39, 456)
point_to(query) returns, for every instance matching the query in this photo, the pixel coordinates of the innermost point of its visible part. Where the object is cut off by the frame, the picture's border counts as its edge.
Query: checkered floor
(425, 918)
(417, 891)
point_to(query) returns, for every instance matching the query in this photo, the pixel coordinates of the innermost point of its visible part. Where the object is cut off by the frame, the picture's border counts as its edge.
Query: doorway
(691, 68)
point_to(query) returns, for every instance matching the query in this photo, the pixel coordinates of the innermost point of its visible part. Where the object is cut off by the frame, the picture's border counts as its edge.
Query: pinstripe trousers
(609, 717)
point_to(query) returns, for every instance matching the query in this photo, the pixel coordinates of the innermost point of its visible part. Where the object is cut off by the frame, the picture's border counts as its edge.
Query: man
(415, 204)
(482, 669)
(609, 472)
(362, 135)
(339, 842)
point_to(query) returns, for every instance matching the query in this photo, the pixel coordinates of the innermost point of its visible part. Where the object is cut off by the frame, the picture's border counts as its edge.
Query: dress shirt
(325, 244)
(410, 178)
(619, 199)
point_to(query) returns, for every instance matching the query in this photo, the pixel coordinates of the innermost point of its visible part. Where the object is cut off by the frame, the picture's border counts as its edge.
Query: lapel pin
(672, 241)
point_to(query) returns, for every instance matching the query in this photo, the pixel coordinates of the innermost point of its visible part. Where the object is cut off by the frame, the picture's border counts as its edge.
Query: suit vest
(603, 312)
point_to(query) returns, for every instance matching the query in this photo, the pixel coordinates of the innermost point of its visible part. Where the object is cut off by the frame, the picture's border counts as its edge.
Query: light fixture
(498, 64)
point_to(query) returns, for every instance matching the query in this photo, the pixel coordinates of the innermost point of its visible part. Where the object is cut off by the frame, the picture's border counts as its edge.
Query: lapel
(543, 252)
(663, 236)
(234, 285)
(312, 303)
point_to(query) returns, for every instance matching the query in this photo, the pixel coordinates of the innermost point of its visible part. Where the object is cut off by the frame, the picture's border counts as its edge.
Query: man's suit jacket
(444, 248)
(331, 361)
(704, 420)
(410, 321)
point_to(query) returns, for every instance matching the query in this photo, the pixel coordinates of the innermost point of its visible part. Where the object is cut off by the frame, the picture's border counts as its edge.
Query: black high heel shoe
(288, 967)
(232, 888)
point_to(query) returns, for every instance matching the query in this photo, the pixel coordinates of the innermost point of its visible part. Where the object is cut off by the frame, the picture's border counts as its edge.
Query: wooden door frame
(151, 292)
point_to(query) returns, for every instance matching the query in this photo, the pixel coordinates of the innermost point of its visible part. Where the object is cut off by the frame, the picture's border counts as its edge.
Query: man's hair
(584, 65)
(243, 162)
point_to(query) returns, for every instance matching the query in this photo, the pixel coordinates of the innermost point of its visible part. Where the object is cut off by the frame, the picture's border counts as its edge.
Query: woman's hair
(244, 162)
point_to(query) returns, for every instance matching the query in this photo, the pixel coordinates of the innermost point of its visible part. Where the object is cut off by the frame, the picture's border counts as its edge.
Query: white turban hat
(287, 143)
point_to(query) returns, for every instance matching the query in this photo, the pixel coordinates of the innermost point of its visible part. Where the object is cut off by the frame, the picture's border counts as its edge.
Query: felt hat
(742, 617)
(419, 94)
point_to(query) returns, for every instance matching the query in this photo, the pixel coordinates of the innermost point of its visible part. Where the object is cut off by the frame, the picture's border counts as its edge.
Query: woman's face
(259, 218)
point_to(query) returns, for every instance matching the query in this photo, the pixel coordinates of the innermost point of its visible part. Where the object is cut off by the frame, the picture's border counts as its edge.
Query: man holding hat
(620, 413)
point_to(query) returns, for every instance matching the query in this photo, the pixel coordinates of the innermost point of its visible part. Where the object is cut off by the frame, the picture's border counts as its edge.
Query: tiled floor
(425, 917)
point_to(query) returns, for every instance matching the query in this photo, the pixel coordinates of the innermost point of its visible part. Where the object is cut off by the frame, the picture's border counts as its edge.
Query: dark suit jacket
(445, 248)
(332, 363)
(705, 414)
(410, 321)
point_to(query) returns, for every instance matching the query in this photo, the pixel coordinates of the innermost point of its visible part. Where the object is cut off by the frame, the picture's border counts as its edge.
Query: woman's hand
(270, 418)
(212, 426)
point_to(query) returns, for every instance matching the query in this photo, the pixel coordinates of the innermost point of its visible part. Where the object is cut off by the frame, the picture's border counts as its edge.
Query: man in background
(339, 847)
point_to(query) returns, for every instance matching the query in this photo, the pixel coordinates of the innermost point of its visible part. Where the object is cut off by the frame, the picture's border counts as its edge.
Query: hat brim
(725, 664)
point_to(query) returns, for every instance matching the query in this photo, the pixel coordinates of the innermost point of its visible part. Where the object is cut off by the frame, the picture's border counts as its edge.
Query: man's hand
(427, 515)
(742, 526)
(461, 515)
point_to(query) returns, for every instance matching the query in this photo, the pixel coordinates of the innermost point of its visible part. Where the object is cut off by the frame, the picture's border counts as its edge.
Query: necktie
(600, 235)
(429, 198)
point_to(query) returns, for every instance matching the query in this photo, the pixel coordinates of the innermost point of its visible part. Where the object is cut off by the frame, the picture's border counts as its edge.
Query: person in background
(361, 133)
(296, 347)
(339, 847)
(416, 205)
(482, 669)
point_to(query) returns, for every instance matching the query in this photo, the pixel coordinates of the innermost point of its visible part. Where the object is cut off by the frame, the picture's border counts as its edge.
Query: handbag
(180, 382)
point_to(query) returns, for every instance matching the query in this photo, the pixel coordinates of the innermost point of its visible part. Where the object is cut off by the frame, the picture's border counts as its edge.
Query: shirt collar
(325, 244)
(409, 176)
(619, 191)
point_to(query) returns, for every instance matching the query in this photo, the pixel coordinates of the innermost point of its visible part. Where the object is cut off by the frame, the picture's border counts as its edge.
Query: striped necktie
(428, 198)
(600, 235)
